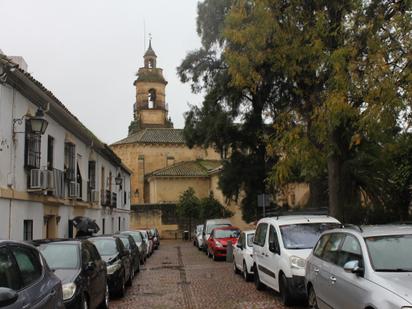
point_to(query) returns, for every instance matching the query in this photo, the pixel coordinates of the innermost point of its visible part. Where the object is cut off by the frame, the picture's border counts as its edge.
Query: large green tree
(341, 88)
(235, 120)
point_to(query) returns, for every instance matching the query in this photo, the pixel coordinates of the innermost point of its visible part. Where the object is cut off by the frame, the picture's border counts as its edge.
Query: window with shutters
(69, 161)
(32, 148)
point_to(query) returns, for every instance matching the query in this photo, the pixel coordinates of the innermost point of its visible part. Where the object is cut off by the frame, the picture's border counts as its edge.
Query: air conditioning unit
(95, 194)
(74, 189)
(38, 179)
(50, 180)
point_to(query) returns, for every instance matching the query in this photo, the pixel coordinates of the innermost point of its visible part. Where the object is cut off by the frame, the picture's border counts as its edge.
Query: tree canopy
(305, 90)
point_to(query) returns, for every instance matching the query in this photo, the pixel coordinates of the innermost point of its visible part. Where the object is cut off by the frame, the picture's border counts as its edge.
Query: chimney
(19, 60)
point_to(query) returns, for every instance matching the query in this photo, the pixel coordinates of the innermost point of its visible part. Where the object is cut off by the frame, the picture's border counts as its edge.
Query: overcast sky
(88, 51)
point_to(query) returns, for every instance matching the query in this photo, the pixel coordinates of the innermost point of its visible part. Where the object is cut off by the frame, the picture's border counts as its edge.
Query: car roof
(102, 237)
(38, 242)
(6, 242)
(213, 221)
(378, 230)
(299, 219)
(226, 228)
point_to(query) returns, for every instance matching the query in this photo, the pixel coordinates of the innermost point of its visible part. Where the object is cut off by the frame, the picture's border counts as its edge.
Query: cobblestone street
(179, 276)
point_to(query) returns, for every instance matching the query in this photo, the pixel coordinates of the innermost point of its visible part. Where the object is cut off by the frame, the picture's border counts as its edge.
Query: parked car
(141, 244)
(149, 241)
(156, 238)
(218, 241)
(26, 281)
(209, 226)
(198, 237)
(365, 267)
(280, 248)
(118, 260)
(130, 245)
(243, 255)
(81, 269)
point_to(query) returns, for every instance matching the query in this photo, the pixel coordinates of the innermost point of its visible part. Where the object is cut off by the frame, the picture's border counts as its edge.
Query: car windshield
(61, 256)
(125, 242)
(136, 236)
(144, 235)
(250, 240)
(106, 247)
(211, 227)
(303, 236)
(227, 233)
(390, 253)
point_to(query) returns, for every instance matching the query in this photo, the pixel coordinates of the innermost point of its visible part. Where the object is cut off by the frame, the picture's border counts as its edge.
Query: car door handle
(316, 270)
(333, 279)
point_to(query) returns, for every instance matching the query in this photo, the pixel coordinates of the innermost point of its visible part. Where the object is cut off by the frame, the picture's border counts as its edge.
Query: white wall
(13, 176)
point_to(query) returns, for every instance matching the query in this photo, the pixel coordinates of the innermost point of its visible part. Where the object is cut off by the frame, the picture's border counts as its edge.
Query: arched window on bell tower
(151, 97)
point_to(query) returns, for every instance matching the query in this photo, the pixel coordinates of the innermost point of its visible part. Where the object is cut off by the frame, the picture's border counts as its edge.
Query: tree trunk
(334, 184)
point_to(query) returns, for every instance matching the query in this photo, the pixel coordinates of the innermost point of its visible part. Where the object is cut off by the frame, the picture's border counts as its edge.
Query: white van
(209, 226)
(280, 249)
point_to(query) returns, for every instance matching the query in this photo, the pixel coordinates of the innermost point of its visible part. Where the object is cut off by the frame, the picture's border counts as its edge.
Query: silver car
(361, 267)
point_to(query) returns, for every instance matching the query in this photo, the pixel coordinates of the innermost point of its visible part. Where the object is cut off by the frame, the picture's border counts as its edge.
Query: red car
(217, 243)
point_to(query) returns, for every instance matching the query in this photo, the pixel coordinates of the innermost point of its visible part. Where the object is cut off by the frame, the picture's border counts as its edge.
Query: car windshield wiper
(397, 270)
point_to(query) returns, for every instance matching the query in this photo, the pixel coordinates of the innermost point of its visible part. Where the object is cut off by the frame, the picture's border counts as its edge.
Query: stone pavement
(179, 276)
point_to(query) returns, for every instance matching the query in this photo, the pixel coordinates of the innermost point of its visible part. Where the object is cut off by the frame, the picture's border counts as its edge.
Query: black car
(26, 281)
(131, 245)
(156, 238)
(141, 244)
(81, 269)
(118, 260)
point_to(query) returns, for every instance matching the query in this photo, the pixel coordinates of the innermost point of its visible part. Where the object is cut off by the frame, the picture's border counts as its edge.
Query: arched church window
(151, 64)
(152, 98)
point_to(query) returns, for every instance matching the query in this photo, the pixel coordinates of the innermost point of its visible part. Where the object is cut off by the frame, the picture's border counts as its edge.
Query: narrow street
(180, 276)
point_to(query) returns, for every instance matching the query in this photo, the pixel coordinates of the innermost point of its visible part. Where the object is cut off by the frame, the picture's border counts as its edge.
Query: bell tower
(150, 109)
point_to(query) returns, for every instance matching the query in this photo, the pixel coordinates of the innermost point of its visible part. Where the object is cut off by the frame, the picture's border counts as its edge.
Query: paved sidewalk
(179, 276)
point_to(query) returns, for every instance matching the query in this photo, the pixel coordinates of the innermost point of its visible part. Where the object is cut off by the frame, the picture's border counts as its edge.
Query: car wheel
(235, 269)
(138, 267)
(245, 273)
(105, 302)
(258, 284)
(312, 299)
(285, 296)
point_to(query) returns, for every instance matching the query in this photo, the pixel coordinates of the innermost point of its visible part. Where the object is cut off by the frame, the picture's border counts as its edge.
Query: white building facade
(48, 179)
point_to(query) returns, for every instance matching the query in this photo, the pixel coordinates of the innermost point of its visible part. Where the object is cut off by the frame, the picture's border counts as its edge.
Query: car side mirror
(7, 297)
(354, 268)
(274, 247)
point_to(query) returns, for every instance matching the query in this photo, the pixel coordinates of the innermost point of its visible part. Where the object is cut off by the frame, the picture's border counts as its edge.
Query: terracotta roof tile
(155, 136)
(198, 168)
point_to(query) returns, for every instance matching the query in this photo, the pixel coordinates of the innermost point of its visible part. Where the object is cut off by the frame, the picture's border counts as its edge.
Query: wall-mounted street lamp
(37, 124)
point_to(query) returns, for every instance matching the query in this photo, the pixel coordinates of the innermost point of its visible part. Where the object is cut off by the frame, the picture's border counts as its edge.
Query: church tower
(150, 109)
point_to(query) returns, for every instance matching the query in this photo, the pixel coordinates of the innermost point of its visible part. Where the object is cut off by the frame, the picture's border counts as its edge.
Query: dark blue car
(26, 281)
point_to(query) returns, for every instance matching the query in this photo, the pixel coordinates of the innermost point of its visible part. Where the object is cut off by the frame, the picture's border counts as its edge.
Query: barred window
(32, 148)
(69, 161)
(28, 230)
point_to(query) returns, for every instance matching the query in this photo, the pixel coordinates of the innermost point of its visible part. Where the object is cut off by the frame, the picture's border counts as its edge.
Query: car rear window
(125, 242)
(227, 233)
(106, 247)
(61, 256)
(209, 228)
